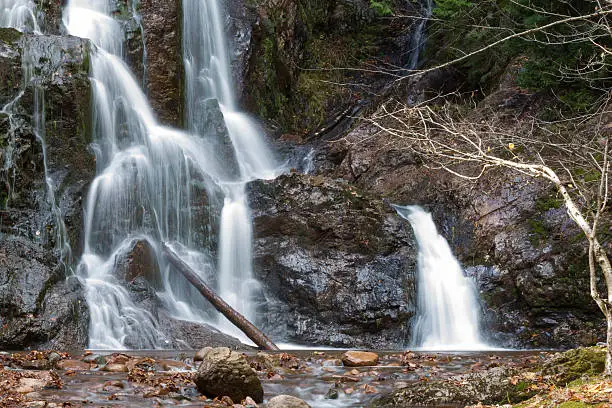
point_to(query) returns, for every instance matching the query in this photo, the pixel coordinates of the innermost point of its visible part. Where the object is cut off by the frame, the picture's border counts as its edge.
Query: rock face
(227, 373)
(139, 269)
(336, 266)
(291, 37)
(44, 95)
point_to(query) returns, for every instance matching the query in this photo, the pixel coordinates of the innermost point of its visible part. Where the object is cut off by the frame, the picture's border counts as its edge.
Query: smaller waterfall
(447, 317)
(417, 42)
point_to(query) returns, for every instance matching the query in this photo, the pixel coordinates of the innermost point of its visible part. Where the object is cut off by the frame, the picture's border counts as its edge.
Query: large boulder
(336, 265)
(227, 373)
(47, 167)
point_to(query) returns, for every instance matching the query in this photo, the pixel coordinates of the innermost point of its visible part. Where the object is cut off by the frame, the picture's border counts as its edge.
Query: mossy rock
(573, 364)
(9, 35)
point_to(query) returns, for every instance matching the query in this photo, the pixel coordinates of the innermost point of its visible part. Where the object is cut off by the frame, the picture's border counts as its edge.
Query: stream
(315, 376)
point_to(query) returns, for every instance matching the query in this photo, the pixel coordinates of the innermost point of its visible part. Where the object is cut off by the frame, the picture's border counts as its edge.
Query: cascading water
(142, 190)
(151, 180)
(208, 78)
(448, 311)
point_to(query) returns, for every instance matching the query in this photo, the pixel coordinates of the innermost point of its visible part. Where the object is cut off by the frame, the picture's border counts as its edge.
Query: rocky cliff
(46, 169)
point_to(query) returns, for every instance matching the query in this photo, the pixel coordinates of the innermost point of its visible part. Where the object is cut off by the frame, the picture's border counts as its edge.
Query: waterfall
(19, 14)
(448, 310)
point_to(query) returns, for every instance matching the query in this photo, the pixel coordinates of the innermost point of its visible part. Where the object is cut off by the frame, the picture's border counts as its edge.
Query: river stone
(73, 365)
(225, 372)
(359, 359)
(287, 401)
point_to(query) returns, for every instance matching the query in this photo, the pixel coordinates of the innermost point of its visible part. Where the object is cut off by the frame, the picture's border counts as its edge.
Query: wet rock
(286, 401)
(50, 17)
(249, 403)
(359, 359)
(95, 359)
(36, 404)
(139, 262)
(336, 265)
(190, 335)
(227, 373)
(115, 368)
(54, 358)
(42, 306)
(170, 365)
(73, 365)
(32, 381)
(332, 394)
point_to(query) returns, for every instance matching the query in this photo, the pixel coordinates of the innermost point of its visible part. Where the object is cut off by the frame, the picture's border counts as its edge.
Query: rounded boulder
(227, 373)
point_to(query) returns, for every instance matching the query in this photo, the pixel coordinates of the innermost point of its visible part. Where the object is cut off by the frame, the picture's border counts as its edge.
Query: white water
(151, 181)
(447, 307)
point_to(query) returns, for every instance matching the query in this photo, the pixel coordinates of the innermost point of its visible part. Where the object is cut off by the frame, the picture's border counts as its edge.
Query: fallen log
(238, 320)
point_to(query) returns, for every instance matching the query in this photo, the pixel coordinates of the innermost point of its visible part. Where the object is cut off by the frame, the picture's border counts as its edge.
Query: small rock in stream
(74, 365)
(359, 358)
(287, 401)
(332, 394)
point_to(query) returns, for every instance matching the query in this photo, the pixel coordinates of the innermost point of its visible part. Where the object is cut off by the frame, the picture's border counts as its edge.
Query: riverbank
(156, 378)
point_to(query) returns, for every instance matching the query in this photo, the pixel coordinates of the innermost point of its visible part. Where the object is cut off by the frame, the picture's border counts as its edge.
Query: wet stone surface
(160, 378)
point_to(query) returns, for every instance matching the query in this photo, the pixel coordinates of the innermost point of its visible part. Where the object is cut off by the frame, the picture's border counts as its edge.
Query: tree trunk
(608, 370)
(232, 315)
